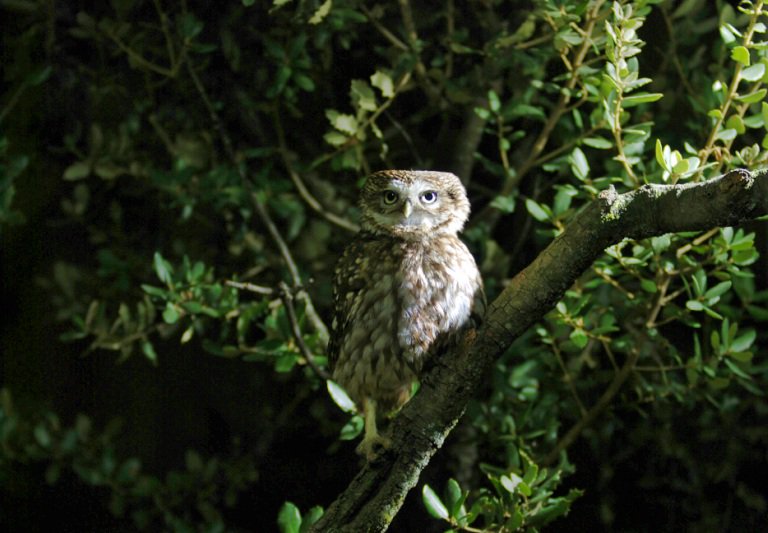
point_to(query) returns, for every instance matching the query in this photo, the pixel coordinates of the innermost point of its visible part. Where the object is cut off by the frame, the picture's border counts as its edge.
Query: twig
(287, 297)
(299, 183)
(730, 96)
(568, 377)
(413, 40)
(258, 289)
(261, 208)
(605, 400)
(388, 35)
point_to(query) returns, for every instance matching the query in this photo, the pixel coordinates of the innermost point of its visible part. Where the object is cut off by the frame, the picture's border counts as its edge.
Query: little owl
(405, 285)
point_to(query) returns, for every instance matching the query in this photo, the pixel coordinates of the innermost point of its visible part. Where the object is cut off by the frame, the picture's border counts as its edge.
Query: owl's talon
(373, 446)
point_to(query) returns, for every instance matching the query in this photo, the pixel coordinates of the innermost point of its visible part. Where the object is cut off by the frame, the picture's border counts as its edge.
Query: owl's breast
(436, 291)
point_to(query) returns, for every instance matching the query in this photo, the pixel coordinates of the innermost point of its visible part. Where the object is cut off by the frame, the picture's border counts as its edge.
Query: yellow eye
(429, 197)
(390, 197)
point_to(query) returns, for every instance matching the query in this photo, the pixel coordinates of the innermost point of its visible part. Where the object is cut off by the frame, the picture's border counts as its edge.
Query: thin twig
(258, 289)
(568, 377)
(261, 208)
(287, 297)
(413, 40)
(388, 35)
(730, 96)
(299, 183)
(604, 401)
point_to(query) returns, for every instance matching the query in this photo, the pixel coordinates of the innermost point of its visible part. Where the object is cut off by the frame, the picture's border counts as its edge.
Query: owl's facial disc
(406, 209)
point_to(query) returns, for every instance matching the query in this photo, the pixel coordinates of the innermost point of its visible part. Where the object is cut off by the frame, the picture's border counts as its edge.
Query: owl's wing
(351, 276)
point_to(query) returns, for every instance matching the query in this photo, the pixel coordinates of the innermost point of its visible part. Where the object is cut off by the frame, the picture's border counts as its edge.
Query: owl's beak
(407, 208)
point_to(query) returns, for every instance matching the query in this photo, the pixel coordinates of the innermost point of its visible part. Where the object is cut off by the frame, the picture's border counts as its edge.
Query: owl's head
(413, 203)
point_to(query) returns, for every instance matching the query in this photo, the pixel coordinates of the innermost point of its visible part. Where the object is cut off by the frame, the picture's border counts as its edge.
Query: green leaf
(649, 285)
(660, 156)
(726, 34)
(744, 341)
(154, 291)
(340, 397)
(77, 171)
(694, 305)
(352, 428)
(454, 496)
(42, 436)
(342, 122)
(764, 113)
(363, 95)
(286, 362)
(190, 26)
(681, 167)
(718, 290)
(641, 98)
(600, 143)
(312, 516)
(515, 521)
(742, 357)
(741, 55)
(753, 73)
(334, 138)
(170, 313)
(728, 134)
(432, 502)
(493, 101)
(163, 269)
(304, 82)
(321, 12)
(536, 210)
(289, 518)
(736, 370)
(579, 164)
(149, 351)
(579, 337)
(505, 204)
(383, 81)
(751, 98)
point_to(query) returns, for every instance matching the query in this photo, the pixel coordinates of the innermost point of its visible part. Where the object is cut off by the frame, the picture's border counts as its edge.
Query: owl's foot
(373, 443)
(373, 446)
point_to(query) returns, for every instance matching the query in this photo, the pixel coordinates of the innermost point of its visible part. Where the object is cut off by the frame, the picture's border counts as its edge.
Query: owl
(404, 287)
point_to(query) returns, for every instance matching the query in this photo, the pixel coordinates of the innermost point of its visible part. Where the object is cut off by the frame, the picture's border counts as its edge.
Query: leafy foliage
(201, 163)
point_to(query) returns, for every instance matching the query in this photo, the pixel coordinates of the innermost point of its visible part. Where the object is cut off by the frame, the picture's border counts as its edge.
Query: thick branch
(375, 495)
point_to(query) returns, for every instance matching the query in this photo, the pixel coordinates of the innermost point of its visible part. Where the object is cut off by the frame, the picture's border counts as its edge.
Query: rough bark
(375, 495)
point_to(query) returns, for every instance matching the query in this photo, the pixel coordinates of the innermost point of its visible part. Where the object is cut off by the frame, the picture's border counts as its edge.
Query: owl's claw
(373, 446)
(373, 443)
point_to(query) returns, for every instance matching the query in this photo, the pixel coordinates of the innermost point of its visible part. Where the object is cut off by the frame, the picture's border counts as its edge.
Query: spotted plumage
(404, 286)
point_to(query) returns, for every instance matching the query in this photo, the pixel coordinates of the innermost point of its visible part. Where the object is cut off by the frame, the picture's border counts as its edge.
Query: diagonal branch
(375, 495)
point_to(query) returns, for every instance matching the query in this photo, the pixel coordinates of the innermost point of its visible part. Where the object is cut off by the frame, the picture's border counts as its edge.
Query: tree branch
(375, 495)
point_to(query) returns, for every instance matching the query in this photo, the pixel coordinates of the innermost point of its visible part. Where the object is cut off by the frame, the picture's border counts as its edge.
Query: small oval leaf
(433, 503)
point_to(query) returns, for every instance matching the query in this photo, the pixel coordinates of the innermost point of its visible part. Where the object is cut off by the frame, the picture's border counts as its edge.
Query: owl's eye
(390, 197)
(429, 197)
